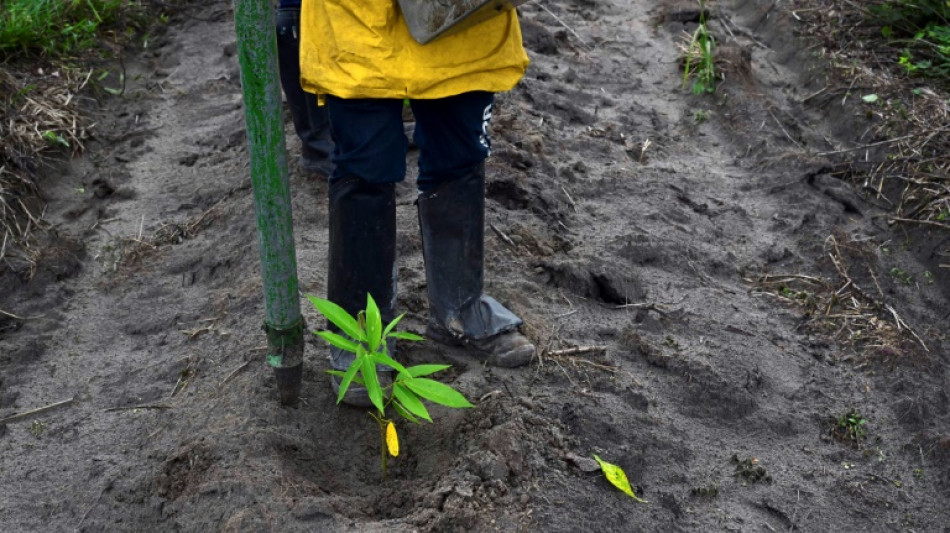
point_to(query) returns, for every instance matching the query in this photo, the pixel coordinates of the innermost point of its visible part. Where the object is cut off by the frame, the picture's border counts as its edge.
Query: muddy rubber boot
(452, 219)
(311, 122)
(362, 258)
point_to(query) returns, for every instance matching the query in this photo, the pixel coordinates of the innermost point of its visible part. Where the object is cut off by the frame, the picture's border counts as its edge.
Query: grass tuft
(57, 28)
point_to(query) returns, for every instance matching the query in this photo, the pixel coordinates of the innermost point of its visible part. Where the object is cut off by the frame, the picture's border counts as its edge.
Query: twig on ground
(579, 350)
(234, 372)
(562, 23)
(649, 306)
(92, 506)
(489, 395)
(924, 222)
(872, 145)
(142, 406)
(38, 410)
(11, 315)
(569, 199)
(502, 235)
(782, 127)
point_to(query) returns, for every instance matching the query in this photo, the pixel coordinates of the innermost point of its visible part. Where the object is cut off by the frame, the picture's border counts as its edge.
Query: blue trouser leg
(451, 133)
(369, 139)
(452, 136)
(311, 122)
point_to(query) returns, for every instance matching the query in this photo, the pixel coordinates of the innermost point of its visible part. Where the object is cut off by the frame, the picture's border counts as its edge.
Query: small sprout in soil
(710, 491)
(37, 428)
(901, 276)
(793, 294)
(851, 427)
(365, 336)
(750, 470)
(919, 473)
(698, 61)
(700, 116)
(671, 342)
(928, 277)
(55, 139)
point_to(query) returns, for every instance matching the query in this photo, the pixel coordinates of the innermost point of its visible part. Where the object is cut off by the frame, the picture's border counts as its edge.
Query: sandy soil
(717, 395)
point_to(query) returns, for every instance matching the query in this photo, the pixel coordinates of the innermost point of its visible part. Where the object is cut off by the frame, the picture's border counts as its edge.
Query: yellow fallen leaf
(616, 476)
(392, 440)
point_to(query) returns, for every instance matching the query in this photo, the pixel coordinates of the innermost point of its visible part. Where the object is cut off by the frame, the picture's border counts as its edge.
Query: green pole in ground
(257, 53)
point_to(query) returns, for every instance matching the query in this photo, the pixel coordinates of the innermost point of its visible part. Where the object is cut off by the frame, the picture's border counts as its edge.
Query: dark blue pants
(451, 133)
(311, 121)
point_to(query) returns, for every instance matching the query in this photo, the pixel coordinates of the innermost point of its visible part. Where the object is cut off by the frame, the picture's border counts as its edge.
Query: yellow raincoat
(363, 49)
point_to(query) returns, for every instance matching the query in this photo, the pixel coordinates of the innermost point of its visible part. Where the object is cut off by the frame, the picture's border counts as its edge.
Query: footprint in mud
(518, 193)
(610, 284)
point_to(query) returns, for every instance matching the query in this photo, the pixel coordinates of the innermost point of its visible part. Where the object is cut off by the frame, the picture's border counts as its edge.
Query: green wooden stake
(283, 323)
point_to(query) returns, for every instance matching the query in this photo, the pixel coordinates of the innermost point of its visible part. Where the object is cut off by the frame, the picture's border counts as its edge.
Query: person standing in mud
(361, 59)
(311, 121)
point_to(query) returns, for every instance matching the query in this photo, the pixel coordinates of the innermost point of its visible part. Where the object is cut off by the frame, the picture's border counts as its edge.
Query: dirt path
(715, 392)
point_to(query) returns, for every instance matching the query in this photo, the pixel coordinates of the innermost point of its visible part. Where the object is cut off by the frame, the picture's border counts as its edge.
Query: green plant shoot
(365, 336)
(698, 57)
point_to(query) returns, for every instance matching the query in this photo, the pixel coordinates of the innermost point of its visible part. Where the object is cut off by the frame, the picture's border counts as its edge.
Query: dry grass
(39, 116)
(840, 307)
(904, 159)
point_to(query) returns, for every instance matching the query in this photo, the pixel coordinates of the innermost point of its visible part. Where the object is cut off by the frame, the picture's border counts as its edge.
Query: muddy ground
(715, 391)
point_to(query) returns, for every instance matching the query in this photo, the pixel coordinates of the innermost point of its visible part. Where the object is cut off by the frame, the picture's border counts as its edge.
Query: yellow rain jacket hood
(363, 49)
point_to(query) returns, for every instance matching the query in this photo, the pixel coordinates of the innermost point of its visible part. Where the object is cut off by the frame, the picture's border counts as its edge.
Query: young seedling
(365, 336)
(851, 427)
(698, 57)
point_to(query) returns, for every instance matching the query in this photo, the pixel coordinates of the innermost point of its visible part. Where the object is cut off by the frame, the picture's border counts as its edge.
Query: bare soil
(628, 217)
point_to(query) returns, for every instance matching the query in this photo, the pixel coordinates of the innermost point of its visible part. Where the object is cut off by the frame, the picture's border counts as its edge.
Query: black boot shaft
(362, 251)
(452, 220)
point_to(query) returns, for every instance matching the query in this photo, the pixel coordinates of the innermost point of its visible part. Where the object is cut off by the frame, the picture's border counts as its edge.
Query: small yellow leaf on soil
(616, 476)
(392, 440)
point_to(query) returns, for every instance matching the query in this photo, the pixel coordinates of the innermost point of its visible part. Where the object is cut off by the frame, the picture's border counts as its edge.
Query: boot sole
(520, 356)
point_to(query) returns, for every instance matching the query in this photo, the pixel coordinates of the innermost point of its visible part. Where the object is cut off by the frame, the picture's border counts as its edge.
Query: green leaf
(406, 336)
(338, 317)
(391, 325)
(870, 98)
(382, 358)
(338, 340)
(356, 378)
(424, 370)
(616, 476)
(405, 413)
(375, 392)
(347, 379)
(436, 392)
(411, 402)
(374, 323)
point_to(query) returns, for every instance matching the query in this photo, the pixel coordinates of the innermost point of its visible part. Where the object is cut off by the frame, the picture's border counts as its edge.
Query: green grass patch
(59, 28)
(921, 28)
